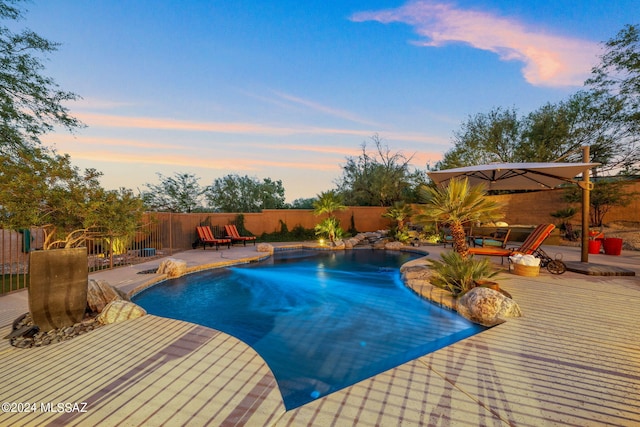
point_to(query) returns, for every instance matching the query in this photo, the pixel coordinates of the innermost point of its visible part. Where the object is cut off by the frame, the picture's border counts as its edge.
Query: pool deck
(573, 359)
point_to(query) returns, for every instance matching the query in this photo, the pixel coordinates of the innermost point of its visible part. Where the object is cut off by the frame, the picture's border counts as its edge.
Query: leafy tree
(303, 203)
(619, 69)
(115, 214)
(552, 132)
(484, 138)
(31, 103)
(39, 187)
(234, 193)
(379, 178)
(271, 194)
(42, 188)
(605, 116)
(455, 205)
(617, 78)
(180, 193)
(606, 194)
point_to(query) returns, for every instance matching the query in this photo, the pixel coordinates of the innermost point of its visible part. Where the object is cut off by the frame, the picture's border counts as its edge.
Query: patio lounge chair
(206, 237)
(530, 246)
(498, 239)
(232, 233)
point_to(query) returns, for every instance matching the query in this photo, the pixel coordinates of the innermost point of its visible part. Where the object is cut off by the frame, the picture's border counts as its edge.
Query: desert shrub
(457, 274)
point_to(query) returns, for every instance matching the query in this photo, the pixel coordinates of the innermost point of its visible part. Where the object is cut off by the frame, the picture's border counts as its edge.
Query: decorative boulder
(119, 311)
(339, 244)
(380, 244)
(100, 293)
(264, 247)
(393, 246)
(172, 267)
(486, 306)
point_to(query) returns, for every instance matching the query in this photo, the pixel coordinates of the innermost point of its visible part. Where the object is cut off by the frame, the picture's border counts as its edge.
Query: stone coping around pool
(415, 277)
(229, 262)
(195, 269)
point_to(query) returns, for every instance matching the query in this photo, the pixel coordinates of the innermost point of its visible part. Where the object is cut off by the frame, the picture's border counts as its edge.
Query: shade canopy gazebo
(515, 176)
(526, 176)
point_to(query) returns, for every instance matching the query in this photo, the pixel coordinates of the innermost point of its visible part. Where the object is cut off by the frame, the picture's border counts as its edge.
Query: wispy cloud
(238, 128)
(196, 160)
(63, 141)
(117, 121)
(549, 60)
(99, 104)
(330, 111)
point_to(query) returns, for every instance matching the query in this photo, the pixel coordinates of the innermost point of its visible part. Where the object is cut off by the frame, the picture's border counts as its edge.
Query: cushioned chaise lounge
(206, 237)
(232, 233)
(498, 239)
(528, 247)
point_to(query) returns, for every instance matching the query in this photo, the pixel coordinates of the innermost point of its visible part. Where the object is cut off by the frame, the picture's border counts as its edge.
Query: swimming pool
(321, 320)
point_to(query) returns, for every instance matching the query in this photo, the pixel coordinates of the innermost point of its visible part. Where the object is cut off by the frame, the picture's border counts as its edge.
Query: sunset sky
(287, 89)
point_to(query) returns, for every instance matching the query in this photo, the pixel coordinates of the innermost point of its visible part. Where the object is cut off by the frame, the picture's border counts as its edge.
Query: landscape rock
(119, 311)
(487, 307)
(172, 267)
(27, 335)
(417, 273)
(393, 246)
(339, 244)
(264, 247)
(100, 293)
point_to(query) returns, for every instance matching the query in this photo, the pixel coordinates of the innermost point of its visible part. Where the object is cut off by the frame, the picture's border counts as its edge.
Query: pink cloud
(105, 120)
(549, 60)
(119, 152)
(240, 128)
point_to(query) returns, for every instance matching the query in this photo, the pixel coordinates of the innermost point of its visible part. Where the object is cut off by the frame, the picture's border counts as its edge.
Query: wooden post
(584, 255)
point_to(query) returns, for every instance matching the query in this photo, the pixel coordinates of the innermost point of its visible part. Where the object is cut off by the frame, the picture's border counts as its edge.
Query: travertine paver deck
(573, 359)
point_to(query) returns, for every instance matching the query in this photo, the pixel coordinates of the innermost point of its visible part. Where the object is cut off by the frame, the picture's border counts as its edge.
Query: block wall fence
(519, 209)
(177, 231)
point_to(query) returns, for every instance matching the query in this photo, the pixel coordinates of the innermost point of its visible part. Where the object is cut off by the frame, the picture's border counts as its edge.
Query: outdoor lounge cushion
(528, 247)
(232, 233)
(498, 239)
(205, 236)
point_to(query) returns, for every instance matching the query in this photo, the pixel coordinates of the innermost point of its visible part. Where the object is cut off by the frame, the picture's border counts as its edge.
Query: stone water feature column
(58, 287)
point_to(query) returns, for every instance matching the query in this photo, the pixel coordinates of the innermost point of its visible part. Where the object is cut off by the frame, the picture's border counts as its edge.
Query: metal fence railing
(14, 260)
(152, 239)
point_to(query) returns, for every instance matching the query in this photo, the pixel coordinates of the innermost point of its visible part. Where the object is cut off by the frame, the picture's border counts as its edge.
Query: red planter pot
(612, 246)
(595, 246)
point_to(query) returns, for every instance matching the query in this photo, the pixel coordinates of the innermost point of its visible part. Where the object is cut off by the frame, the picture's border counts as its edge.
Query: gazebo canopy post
(586, 202)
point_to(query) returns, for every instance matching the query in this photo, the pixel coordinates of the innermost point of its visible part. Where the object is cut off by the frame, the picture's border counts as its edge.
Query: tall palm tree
(328, 202)
(455, 205)
(399, 212)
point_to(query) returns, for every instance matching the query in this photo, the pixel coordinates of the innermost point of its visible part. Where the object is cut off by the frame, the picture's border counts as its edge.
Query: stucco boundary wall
(527, 209)
(536, 207)
(182, 227)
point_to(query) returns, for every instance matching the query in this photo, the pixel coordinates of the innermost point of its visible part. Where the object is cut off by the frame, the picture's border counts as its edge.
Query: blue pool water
(321, 320)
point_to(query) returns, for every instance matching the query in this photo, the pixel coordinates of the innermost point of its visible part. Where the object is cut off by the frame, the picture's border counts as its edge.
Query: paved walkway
(573, 359)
